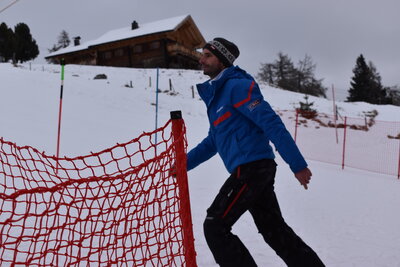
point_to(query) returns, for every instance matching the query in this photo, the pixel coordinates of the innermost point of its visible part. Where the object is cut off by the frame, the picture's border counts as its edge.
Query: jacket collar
(208, 89)
(218, 76)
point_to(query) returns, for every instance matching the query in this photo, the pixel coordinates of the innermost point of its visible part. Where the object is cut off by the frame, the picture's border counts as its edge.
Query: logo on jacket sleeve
(254, 104)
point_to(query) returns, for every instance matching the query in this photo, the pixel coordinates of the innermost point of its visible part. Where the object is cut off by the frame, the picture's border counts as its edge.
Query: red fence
(354, 142)
(118, 206)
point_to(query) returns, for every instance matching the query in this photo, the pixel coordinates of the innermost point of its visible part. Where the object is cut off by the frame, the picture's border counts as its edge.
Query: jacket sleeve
(248, 100)
(202, 152)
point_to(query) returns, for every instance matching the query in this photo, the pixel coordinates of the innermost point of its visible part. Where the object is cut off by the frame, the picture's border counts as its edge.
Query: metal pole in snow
(296, 125)
(335, 113)
(344, 142)
(60, 111)
(398, 170)
(156, 105)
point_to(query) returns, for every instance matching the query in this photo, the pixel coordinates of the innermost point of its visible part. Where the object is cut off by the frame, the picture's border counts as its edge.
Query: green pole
(60, 112)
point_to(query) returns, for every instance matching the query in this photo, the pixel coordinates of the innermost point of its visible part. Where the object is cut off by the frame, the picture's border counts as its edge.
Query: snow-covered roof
(126, 33)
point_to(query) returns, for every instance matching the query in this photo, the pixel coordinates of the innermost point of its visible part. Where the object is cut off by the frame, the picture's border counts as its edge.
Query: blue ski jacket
(242, 124)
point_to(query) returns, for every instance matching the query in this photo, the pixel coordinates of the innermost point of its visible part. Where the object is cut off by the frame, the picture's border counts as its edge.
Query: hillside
(26, 86)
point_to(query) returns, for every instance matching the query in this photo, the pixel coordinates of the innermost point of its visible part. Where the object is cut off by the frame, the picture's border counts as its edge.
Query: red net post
(181, 175)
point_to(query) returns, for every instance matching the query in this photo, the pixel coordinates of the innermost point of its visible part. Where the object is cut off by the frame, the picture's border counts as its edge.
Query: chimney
(77, 41)
(135, 25)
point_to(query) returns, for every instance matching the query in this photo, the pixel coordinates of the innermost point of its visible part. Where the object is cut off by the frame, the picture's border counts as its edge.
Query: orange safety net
(117, 207)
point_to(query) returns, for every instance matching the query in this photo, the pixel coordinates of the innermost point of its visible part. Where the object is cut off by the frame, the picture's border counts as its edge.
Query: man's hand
(304, 177)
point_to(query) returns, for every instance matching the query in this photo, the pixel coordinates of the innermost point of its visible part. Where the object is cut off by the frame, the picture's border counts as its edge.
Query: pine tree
(361, 81)
(366, 84)
(25, 46)
(393, 95)
(306, 109)
(379, 95)
(6, 42)
(285, 73)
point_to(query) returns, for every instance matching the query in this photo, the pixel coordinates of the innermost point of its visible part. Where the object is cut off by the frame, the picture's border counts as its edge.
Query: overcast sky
(333, 33)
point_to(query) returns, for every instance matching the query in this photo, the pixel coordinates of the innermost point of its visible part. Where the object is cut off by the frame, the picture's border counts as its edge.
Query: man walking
(241, 125)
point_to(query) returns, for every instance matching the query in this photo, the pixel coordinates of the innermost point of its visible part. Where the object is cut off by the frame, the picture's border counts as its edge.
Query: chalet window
(119, 52)
(154, 45)
(138, 49)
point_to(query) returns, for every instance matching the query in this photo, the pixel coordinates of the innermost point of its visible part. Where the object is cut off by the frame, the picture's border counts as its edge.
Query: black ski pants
(251, 188)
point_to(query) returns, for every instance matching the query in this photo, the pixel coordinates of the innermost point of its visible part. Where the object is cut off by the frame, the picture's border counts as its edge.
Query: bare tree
(283, 74)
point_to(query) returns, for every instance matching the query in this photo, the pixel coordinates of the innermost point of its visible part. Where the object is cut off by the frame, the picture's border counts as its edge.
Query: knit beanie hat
(224, 50)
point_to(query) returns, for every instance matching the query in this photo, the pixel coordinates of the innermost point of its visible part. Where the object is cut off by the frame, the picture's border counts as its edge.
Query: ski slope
(350, 217)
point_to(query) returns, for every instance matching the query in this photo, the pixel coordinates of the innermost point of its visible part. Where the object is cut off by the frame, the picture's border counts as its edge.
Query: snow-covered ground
(350, 217)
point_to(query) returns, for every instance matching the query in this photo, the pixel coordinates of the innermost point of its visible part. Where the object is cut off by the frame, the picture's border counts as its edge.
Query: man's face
(210, 64)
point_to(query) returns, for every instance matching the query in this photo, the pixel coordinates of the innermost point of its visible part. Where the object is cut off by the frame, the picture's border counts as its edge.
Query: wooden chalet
(169, 43)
